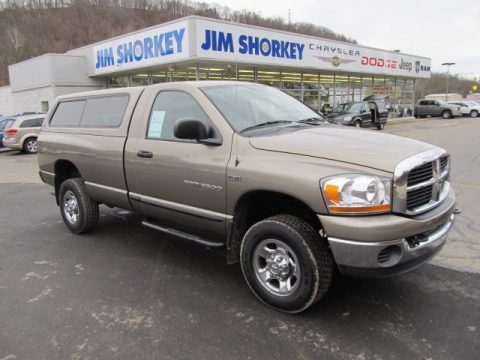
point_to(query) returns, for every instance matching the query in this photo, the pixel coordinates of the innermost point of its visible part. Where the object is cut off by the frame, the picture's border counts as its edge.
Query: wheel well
(64, 170)
(27, 138)
(258, 205)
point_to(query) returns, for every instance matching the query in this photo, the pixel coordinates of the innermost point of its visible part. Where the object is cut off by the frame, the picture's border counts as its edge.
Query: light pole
(448, 72)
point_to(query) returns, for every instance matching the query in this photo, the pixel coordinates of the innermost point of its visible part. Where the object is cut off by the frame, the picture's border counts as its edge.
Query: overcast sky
(444, 30)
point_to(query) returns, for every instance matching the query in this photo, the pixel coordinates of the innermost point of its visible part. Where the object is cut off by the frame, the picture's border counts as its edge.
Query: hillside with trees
(437, 85)
(31, 28)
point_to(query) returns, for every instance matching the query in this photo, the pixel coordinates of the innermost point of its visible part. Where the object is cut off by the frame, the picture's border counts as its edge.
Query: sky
(445, 31)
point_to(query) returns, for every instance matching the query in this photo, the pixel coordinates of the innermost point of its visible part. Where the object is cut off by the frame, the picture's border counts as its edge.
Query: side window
(424, 102)
(169, 106)
(31, 123)
(27, 123)
(104, 111)
(68, 113)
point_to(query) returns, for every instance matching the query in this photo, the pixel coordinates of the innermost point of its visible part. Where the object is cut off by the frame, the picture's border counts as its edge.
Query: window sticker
(156, 124)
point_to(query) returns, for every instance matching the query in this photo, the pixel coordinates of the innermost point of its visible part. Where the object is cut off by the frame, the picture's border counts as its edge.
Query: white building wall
(31, 100)
(42, 79)
(6, 102)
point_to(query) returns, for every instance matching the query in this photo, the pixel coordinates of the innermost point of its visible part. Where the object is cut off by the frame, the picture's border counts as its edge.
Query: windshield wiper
(314, 120)
(266, 123)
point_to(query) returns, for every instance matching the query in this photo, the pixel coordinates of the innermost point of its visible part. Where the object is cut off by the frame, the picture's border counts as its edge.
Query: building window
(292, 84)
(310, 90)
(116, 82)
(367, 86)
(44, 106)
(355, 83)
(326, 91)
(342, 91)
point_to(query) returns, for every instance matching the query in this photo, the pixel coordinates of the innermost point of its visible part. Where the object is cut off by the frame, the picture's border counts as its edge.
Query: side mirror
(193, 129)
(190, 129)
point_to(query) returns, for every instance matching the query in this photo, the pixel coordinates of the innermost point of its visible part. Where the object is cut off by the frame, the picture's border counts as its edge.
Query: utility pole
(448, 75)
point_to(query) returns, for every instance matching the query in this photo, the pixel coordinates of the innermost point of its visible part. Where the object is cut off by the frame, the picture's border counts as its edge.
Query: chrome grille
(443, 163)
(420, 174)
(419, 197)
(421, 182)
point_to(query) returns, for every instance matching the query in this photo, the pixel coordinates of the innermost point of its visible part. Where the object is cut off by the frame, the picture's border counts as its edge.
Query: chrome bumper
(378, 259)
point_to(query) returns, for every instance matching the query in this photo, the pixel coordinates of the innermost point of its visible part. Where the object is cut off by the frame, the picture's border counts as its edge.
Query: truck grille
(443, 163)
(420, 174)
(419, 197)
(421, 182)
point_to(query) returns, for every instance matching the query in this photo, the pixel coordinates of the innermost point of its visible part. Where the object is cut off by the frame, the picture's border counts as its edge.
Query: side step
(182, 234)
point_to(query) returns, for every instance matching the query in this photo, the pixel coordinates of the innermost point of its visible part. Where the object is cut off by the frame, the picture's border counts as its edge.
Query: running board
(182, 234)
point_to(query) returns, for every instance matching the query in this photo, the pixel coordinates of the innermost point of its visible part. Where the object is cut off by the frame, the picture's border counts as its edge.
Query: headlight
(357, 194)
(347, 119)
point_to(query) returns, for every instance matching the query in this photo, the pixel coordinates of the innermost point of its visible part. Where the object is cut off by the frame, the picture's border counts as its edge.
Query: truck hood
(368, 148)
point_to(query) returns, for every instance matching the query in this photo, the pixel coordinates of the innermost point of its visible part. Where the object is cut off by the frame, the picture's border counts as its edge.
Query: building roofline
(196, 17)
(46, 55)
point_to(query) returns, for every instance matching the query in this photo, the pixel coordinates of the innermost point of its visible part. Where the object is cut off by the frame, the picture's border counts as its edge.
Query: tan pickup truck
(248, 168)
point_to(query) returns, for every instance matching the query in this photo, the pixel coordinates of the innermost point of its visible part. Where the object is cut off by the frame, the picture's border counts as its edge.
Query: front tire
(447, 114)
(79, 211)
(380, 126)
(30, 145)
(358, 124)
(474, 113)
(286, 263)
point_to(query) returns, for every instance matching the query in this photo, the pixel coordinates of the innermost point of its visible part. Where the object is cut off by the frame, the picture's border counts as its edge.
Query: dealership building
(318, 71)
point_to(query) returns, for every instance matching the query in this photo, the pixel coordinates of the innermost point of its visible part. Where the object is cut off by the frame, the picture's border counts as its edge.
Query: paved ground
(126, 292)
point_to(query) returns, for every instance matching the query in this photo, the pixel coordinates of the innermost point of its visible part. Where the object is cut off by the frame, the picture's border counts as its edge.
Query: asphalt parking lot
(128, 292)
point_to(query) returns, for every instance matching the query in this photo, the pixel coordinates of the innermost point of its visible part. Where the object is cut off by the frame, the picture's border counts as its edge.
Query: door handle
(144, 154)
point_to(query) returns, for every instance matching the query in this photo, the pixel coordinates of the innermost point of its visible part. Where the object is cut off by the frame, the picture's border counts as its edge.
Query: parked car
(3, 122)
(21, 132)
(425, 108)
(361, 114)
(250, 169)
(469, 108)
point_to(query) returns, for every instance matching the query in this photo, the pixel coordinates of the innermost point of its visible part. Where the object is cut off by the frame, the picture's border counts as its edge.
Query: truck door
(181, 183)
(423, 107)
(435, 109)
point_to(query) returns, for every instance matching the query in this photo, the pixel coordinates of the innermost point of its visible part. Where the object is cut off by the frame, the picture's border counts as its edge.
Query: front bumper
(386, 245)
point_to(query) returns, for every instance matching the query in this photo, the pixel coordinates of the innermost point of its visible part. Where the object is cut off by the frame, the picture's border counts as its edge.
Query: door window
(169, 106)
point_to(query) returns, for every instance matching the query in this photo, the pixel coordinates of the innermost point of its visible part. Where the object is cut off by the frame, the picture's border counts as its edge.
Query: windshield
(349, 107)
(246, 107)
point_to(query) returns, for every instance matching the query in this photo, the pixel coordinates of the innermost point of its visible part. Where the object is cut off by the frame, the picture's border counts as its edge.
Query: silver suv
(469, 108)
(21, 133)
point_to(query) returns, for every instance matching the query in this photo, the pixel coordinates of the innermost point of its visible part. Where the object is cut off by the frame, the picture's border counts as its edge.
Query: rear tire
(79, 211)
(30, 145)
(286, 263)
(380, 126)
(447, 114)
(474, 113)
